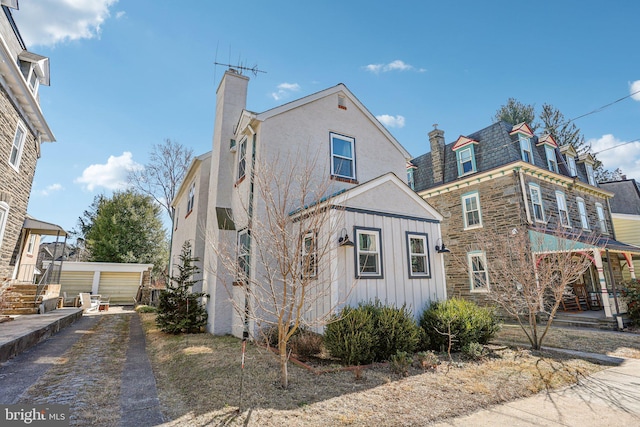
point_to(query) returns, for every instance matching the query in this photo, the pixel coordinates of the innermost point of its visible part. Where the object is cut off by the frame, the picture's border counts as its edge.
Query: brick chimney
(436, 138)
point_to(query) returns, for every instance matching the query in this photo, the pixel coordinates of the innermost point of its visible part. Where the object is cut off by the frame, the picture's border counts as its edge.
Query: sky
(126, 75)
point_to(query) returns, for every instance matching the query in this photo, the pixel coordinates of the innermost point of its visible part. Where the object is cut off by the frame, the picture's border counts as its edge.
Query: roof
(627, 196)
(582, 241)
(188, 177)
(43, 228)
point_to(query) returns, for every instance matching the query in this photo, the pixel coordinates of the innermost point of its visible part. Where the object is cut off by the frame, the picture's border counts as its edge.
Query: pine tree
(180, 309)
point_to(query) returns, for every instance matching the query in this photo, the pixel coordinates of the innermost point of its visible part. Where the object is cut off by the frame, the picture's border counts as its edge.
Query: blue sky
(128, 74)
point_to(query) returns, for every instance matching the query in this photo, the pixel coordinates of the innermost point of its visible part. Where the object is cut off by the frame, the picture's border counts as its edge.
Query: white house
(366, 169)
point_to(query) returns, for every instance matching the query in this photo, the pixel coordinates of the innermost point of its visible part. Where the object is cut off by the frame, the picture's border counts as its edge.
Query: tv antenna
(242, 68)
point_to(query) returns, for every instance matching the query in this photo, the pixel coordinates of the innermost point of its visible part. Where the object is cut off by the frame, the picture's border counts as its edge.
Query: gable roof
(337, 89)
(462, 141)
(188, 177)
(626, 199)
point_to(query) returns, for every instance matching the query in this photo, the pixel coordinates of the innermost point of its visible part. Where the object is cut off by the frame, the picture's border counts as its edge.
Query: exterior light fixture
(442, 249)
(343, 240)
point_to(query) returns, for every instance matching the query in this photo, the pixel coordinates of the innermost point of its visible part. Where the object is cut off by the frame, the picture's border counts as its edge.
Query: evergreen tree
(180, 309)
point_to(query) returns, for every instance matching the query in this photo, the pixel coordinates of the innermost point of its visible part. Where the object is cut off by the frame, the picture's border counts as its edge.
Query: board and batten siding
(627, 229)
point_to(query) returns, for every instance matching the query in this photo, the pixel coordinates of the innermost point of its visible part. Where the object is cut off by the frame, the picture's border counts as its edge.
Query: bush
(428, 359)
(473, 351)
(350, 336)
(631, 295)
(146, 309)
(400, 362)
(306, 343)
(464, 320)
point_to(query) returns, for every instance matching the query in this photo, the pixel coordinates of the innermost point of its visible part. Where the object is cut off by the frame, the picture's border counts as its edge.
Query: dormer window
(33, 81)
(35, 70)
(465, 155)
(589, 161)
(570, 159)
(590, 175)
(552, 162)
(571, 163)
(410, 178)
(525, 149)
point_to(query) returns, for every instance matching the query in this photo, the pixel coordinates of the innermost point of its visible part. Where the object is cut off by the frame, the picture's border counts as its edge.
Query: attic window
(342, 103)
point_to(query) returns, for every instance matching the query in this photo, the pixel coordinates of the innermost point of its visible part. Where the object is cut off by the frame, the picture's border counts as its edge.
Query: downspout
(524, 196)
(245, 332)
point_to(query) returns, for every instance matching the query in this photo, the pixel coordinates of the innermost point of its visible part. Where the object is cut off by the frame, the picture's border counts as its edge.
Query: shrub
(473, 351)
(631, 295)
(146, 309)
(395, 330)
(464, 320)
(306, 343)
(350, 336)
(428, 359)
(400, 362)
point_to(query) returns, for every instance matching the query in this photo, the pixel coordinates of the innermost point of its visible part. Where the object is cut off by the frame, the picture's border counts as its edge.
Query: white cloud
(112, 175)
(48, 22)
(50, 189)
(120, 14)
(284, 90)
(391, 121)
(635, 87)
(614, 153)
(396, 65)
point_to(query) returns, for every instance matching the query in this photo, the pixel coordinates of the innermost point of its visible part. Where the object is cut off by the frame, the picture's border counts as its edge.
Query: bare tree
(282, 271)
(161, 177)
(529, 272)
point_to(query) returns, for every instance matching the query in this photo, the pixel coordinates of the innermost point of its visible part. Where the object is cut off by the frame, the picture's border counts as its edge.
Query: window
(552, 161)
(4, 213)
(242, 159)
(471, 210)
(31, 244)
(33, 80)
(192, 197)
(368, 253)
(244, 261)
(584, 219)
(571, 162)
(410, 180)
(601, 219)
(176, 215)
(525, 149)
(563, 213)
(478, 274)
(342, 156)
(309, 255)
(466, 161)
(418, 250)
(536, 201)
(18, 144)
(590, 176)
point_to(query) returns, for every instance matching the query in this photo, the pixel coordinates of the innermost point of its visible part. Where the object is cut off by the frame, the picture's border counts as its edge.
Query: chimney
(436, 138)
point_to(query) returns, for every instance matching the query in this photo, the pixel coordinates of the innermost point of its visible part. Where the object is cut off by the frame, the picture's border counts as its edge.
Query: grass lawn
(199, 376)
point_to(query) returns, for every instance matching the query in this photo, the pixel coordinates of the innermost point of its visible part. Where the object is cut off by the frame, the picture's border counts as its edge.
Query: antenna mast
(242, 68)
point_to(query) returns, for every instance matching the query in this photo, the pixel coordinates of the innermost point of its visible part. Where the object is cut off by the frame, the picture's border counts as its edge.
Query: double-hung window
(536, 202)
(368, 253)
(601, 219)
(244, 261)
(563, 212)
(525, 149)
(31, 244)
(571, 163)
(552, 161)
(309, 255)
(418, 250)
(466, 163)
(343, 160)
(478, 274)
(590, 175)
(471, 210)
(192, 197)
(242, 159)
(17, 146)
(584, 219)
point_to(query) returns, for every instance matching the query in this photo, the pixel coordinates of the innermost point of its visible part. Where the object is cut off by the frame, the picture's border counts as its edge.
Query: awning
(43, 228)
(545, 241)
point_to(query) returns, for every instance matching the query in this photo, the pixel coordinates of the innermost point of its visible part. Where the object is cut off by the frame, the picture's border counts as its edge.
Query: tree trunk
(284, 374)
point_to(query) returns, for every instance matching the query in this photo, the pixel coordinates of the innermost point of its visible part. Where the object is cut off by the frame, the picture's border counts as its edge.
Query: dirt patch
(200, 387)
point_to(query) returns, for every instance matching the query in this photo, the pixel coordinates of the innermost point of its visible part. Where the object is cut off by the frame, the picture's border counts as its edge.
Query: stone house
(380, 234)
(22, 129)
(505, 176)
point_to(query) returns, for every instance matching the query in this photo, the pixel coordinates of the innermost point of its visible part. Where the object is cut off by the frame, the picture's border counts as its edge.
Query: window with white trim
(244, 261)
(478, 273)
(582, 209)
(368, 253)
(33, 80)
(418, 251)
(31, 244)
(590, 175)
(17, 146)
(410, 178)
(4, 213)
(552, 161)
(525, 149)
(571, 162)
(242, 159)
(471, 213)
(309, 254)
(536, 202)
(601, 219)
(563, 212)
(191, 198)
(466, 161)
(343, 160)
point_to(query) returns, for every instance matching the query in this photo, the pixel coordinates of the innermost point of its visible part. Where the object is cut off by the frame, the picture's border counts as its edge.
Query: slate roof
(495, 148)
(627, 196)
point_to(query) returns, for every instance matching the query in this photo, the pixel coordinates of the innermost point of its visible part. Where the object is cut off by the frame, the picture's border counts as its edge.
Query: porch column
(629, 259)
(603, 283)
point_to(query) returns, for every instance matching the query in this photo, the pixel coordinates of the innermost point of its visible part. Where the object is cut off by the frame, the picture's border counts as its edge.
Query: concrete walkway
(610, 397)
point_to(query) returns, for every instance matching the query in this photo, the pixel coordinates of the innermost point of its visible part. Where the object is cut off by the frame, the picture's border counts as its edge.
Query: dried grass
(203, 388)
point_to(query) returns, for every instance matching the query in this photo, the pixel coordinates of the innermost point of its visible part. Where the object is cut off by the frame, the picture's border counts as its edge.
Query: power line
(597, 110)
